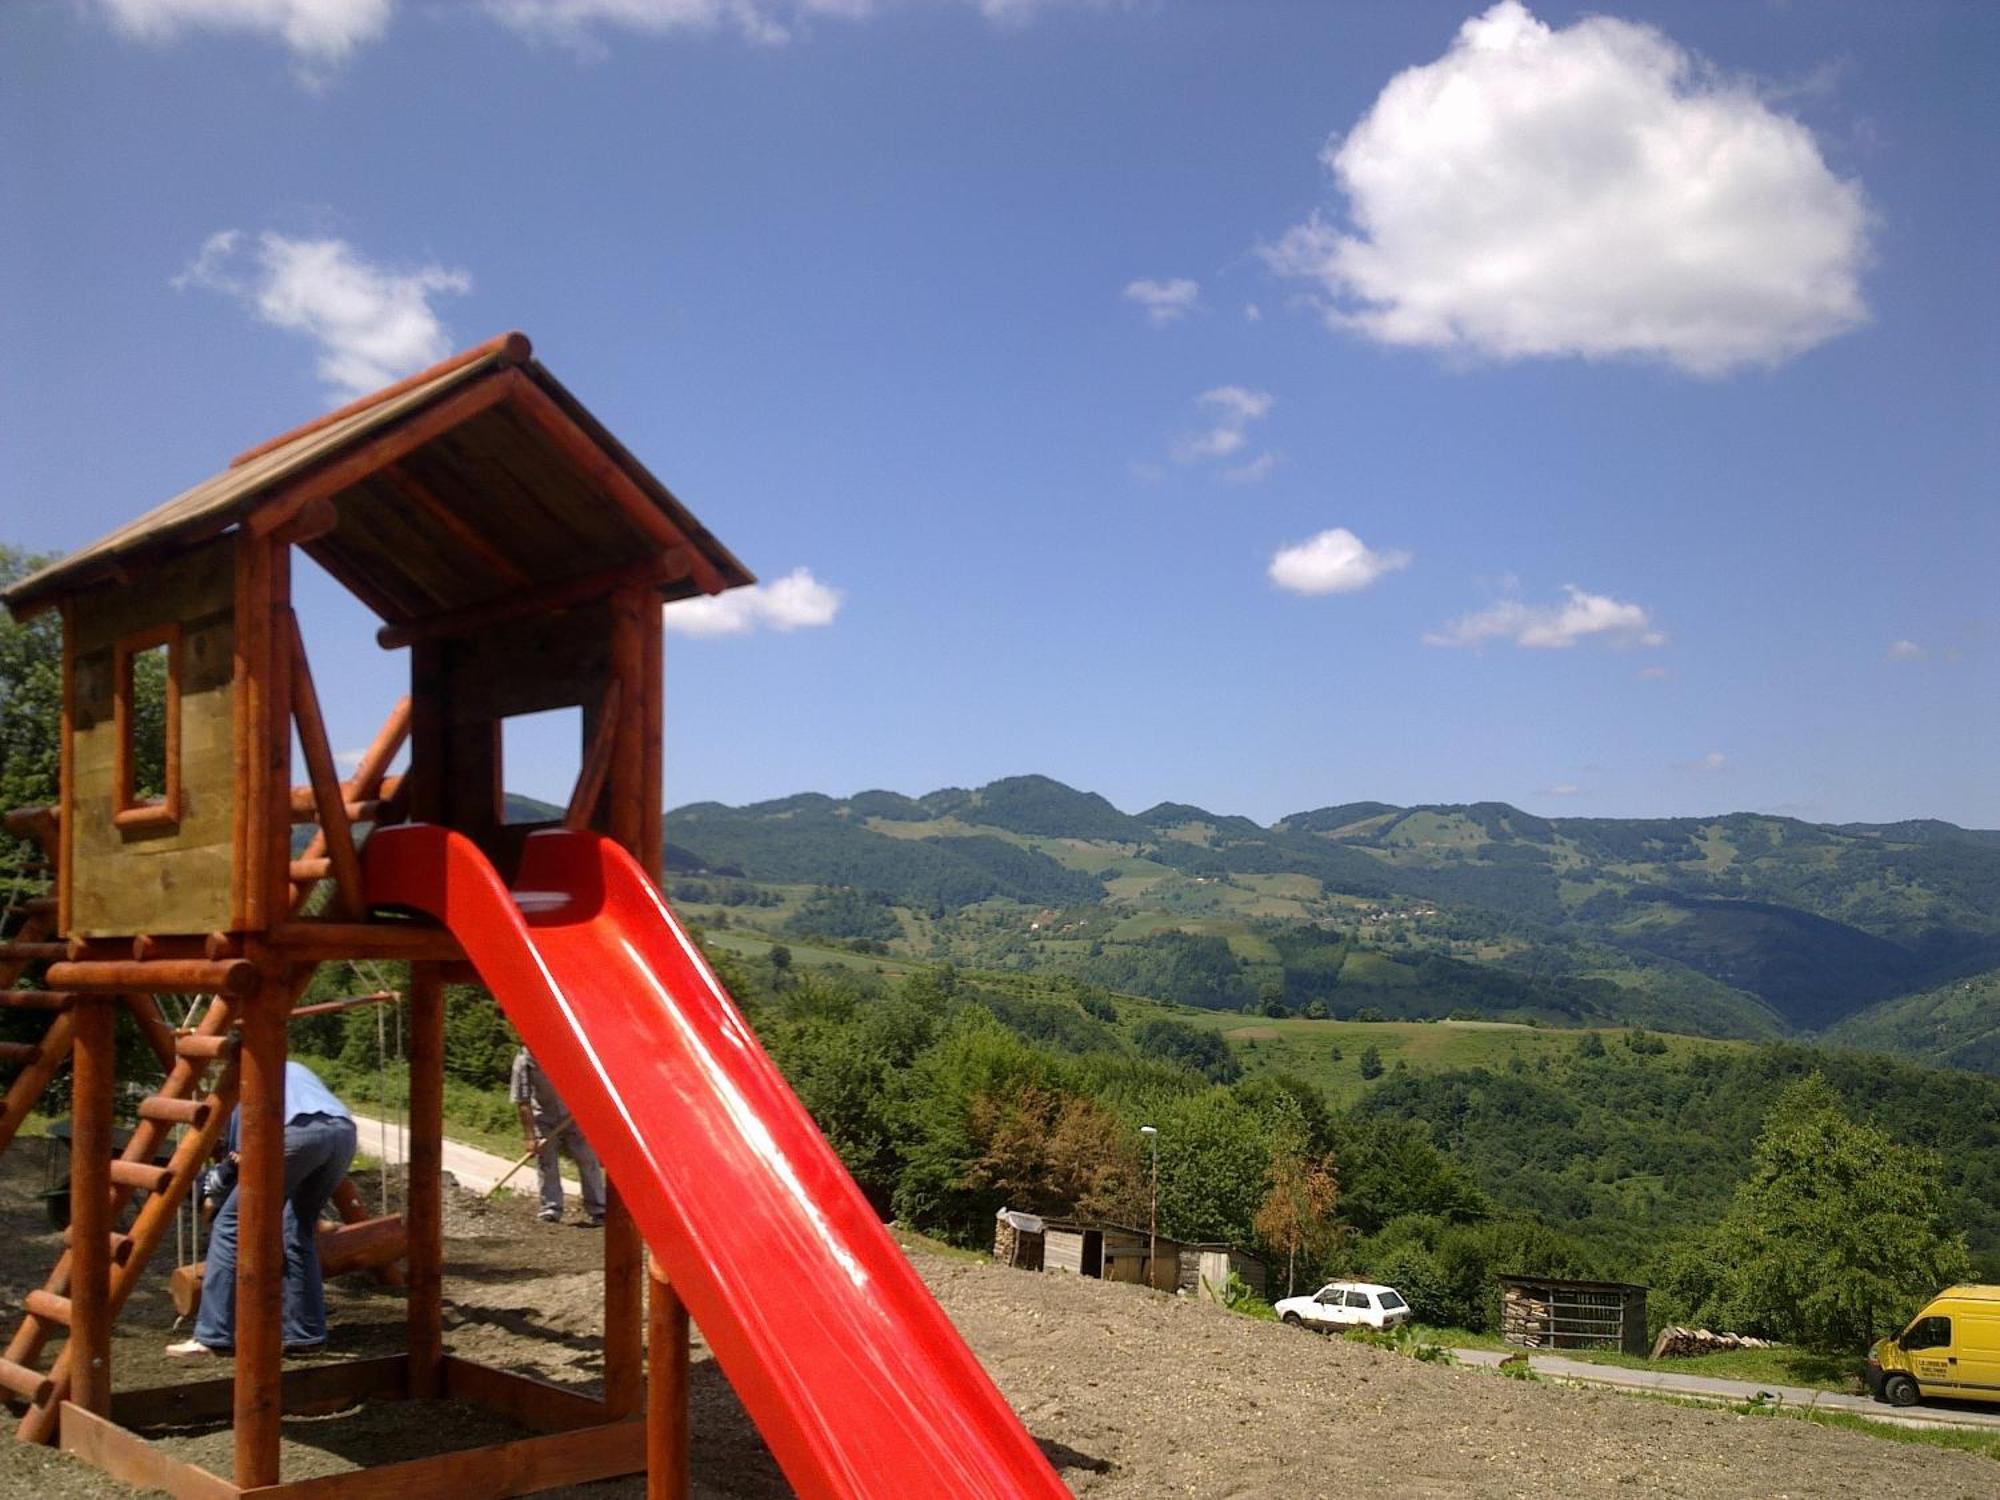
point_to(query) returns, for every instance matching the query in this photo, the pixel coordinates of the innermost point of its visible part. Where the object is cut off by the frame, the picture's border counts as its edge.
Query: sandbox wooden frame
(598, 631)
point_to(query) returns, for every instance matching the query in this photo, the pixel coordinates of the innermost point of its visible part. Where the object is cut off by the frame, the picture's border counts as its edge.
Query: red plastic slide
(858, 1381)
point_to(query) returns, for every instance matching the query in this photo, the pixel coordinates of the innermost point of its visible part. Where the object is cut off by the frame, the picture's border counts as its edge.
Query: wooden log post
(95, 1070)
(624, 1252)
(260, 1243)
(666, 1390)
(424, 1202)
(328, 794)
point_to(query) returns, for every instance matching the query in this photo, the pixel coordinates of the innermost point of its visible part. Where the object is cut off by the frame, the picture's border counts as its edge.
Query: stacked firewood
(1676, 1342)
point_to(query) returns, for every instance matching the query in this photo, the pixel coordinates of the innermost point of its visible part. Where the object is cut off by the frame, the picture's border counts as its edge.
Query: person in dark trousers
(548, 1131)
(319, 1147)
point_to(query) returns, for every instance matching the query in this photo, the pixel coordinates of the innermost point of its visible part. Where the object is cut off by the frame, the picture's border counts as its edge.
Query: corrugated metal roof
(226, 499)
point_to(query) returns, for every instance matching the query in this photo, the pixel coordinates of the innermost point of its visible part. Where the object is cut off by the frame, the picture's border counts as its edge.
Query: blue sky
(1260, 405)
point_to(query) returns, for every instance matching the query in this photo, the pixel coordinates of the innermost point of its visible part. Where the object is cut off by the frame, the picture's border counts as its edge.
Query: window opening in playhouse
(147, 705)
(541, 755)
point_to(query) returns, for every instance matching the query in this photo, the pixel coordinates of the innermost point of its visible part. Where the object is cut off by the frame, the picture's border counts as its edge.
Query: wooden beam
(624, 1307)
(274, 785)
(546, 1462)
(520, 1398)
(423, 1204)
(457, 527)
(314, 520)
(328, 794)
(173, 976)
(260, 1242)
(128, 1457)
(145, 1013)
(650, 849)
(607, 475)
(93, 1083)
(349, 466)
(513, 349)
(551, 598)
(589, 789)
(666, 1390)
(335, 1007)
(307, 1389)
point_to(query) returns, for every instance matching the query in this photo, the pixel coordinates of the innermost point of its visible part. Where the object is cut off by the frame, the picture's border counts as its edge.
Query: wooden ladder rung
(30, 953)
(48, 1307)
(201, 1048)
(35, 1000)
(142, 1175)
(174, 1111)
(19, 1052)
(32, 1386)
(121, 1246)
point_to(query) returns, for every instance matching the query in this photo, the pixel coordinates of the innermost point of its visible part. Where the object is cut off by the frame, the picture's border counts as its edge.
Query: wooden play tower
(522, 555)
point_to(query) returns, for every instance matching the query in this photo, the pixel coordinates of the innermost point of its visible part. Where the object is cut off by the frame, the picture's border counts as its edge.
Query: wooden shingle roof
(455, 488)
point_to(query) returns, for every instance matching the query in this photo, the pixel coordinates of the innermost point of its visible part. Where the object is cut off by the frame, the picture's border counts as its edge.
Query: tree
(1297, 1215)
(1838, 1231)
(1371, 1061)
(30, 712)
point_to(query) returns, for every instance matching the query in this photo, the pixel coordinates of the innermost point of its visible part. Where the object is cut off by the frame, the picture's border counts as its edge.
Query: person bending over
(319, 1147)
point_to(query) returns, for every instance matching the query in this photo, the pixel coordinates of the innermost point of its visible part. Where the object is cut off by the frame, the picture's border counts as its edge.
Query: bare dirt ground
(1133, 1395)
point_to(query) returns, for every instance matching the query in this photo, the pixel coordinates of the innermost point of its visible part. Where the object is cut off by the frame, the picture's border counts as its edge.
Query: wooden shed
(1545, 1312)
(1204, 1270)
(1111, 1252)
(1018, 1239)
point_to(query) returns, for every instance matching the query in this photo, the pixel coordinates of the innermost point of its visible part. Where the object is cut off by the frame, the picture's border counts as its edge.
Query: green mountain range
(1744, 925)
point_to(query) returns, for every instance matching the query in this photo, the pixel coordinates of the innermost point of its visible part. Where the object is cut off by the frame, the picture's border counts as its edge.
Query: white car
(1341, 1305)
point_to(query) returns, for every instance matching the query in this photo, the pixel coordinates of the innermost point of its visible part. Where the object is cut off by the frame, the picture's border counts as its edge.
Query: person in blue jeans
(319, 1147)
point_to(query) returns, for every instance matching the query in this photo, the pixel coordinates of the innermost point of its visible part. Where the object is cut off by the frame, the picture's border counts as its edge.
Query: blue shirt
(304, 1095)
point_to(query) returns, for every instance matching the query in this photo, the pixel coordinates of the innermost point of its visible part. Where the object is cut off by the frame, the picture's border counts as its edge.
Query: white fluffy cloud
(798, 601)
(1334, 562)
(1581, 616)
(1592, 190)
(1230, 409)
(373, 325)
(1905, 651)
(1164, 301)
(319, 32)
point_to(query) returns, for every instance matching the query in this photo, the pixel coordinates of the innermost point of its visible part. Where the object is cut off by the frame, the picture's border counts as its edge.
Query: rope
(373, 975)
(382, 1093)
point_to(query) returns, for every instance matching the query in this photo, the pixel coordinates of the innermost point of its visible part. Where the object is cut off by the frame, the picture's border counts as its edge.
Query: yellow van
(1951, 1348)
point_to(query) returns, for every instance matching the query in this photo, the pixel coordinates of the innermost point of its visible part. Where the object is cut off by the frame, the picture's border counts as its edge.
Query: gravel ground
(1132, 1394)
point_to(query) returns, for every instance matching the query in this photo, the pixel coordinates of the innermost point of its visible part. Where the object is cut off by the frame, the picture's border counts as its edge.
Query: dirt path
(1962, 1414)
(1133, 1395)
(475, 1170)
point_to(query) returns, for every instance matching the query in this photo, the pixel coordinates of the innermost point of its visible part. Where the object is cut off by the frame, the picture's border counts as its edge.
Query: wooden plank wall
(178, 878)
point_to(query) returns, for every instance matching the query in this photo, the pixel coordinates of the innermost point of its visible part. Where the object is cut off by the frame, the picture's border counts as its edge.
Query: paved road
(475, 1170)
(1710, 1388)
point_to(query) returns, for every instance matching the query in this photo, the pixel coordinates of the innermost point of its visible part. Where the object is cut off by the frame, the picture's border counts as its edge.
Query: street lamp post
(1152, 1134)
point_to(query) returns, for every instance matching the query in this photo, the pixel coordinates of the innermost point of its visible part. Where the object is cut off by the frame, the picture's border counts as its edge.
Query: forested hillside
(1742, 925)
